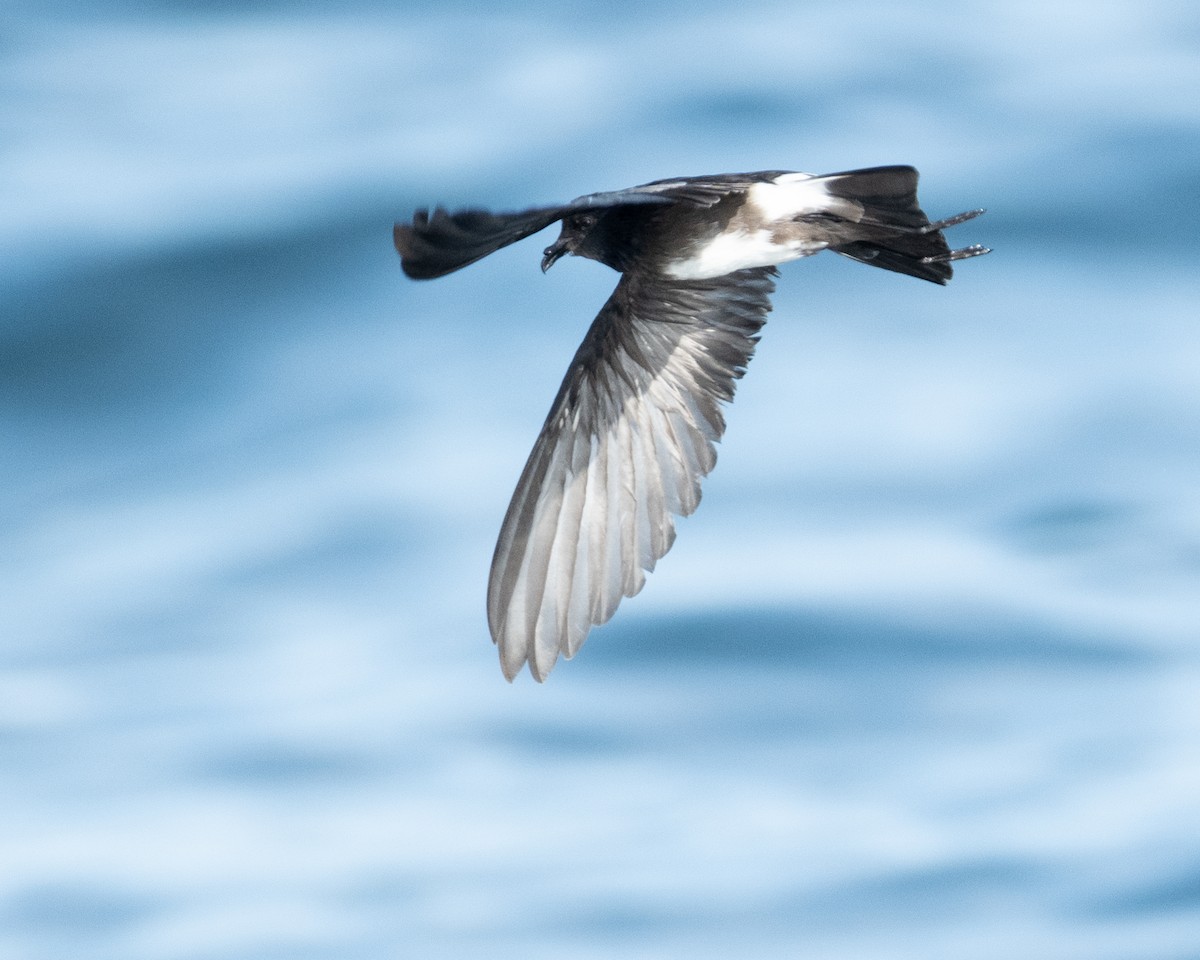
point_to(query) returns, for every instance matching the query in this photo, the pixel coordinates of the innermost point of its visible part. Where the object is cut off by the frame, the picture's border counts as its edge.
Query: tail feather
(875, 255)
(895, 234)
(887, 194)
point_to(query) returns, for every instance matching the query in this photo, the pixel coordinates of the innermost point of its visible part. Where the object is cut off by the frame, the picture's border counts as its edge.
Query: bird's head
(576, 237)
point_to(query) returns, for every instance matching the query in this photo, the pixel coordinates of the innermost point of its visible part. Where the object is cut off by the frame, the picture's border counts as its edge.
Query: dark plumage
(632, 431)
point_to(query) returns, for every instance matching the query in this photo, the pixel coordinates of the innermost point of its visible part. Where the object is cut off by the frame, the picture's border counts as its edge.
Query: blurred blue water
(917, 681)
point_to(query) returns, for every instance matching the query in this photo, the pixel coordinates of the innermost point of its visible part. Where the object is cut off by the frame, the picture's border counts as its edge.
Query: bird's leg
(965, 253)
(953, 221)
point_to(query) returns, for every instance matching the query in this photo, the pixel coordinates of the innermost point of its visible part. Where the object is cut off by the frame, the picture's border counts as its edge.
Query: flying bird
(632, 431)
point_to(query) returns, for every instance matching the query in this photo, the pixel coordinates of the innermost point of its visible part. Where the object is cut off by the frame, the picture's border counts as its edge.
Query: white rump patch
(759, 236)
(796, 194)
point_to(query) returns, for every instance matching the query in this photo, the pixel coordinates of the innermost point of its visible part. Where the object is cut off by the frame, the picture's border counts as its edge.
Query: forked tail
(894, 232)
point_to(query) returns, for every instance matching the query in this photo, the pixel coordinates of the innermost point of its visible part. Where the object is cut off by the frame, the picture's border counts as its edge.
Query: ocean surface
(919, 681)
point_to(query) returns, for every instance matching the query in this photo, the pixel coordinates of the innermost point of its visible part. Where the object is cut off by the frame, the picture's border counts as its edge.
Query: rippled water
(919, 680)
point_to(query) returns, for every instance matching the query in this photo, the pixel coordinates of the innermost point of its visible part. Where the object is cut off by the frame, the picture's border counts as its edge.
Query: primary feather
(627, 441)
(632, 431)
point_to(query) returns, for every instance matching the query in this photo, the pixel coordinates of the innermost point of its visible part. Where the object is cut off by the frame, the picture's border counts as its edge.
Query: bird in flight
(632, 431)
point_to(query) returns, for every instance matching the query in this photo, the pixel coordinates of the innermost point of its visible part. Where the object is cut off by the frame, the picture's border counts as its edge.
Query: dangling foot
(953, 221)
(974, 250)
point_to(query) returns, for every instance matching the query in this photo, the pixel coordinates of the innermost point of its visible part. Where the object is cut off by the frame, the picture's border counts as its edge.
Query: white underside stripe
(750, 240)
(737, 251)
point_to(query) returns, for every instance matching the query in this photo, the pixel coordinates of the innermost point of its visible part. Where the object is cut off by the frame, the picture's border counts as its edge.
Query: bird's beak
(552, 253)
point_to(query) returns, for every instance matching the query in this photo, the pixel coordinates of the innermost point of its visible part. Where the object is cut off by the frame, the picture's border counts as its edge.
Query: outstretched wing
(627, 441)
(437, 243)
(700, 191)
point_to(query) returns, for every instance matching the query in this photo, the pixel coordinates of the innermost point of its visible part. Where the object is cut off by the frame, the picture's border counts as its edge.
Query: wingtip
(512, 663)
(402, 239)
(540, 671)
(511, 671)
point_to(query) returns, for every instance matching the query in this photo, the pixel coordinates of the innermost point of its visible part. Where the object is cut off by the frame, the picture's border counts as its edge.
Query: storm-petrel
(631, 432)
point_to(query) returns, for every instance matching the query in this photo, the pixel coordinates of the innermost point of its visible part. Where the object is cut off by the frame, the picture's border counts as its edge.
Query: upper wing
(439, 242)
(701, 191)
(627, 441)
